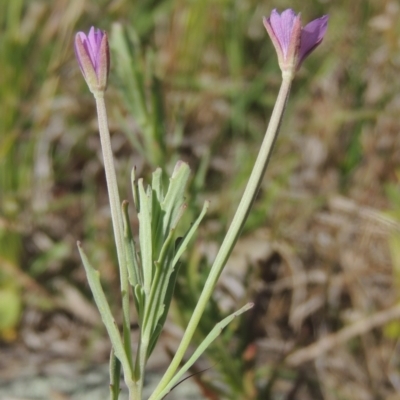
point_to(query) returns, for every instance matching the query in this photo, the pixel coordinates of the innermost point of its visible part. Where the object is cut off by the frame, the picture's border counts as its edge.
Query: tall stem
(234, 230)
(111, 178)
(116, 216)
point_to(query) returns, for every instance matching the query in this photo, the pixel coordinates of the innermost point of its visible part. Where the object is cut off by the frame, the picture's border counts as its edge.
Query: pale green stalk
(116, 216)
(111, 178)
(234, 230)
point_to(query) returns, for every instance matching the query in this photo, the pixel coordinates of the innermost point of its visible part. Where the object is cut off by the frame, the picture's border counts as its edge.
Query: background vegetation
(196, 80)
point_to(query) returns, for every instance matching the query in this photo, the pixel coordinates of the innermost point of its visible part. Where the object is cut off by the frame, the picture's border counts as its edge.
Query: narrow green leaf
(160, 285)
(154, 338)
(93, 277)
(175, 196)
(135, 192)
(155, 305)
(163, 312)
(132, 264)
(157, 215)
(202, 347)
(145, 238)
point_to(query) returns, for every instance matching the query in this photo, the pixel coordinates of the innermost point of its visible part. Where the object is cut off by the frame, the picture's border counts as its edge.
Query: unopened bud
(93, 55)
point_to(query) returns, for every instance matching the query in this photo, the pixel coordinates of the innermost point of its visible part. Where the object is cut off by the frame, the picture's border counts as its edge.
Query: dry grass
(320, 253)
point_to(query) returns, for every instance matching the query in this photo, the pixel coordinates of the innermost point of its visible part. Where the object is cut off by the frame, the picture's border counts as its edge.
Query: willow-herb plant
(149, 275)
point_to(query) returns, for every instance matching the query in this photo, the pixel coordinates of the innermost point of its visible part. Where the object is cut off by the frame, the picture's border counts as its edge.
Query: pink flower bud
(292, 42)
(93, 55)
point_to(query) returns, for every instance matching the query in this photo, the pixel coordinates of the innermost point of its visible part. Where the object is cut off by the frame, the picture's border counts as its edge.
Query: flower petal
(94, 41)
(311, 36)
(282, 26)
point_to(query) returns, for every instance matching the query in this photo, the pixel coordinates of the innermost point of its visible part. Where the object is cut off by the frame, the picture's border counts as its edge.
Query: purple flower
(292, 42)
(93, 55)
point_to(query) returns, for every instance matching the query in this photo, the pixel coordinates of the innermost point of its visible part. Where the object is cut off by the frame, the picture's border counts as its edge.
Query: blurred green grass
(209, 76)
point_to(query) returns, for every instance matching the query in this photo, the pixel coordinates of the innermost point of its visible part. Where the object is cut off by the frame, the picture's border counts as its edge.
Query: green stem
(112, 187)
(234, 230)
(116, 216)
(135, 390)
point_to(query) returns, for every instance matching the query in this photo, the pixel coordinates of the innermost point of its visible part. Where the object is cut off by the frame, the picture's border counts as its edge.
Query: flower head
(292, 42)
(93, 55)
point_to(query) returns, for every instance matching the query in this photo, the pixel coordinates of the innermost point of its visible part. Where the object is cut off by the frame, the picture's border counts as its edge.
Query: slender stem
(234, 230)
(112, 187)
(116, 216)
